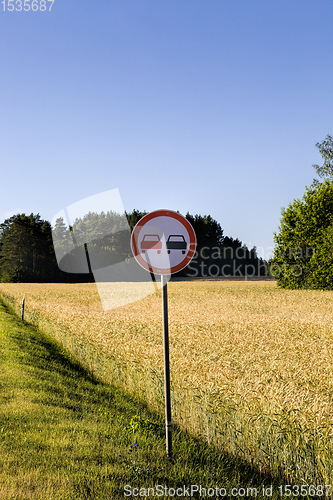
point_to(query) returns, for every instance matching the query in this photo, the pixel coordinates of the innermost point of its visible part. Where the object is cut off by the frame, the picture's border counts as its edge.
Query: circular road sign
(163, 242)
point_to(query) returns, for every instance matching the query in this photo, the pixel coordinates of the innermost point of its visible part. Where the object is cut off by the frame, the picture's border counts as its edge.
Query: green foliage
(303, 251)
(104, 237)
(100, 240)
(138, 423)
(326, 150)
(134, 217)
(303, 246)
(26, 250)
(208, 231)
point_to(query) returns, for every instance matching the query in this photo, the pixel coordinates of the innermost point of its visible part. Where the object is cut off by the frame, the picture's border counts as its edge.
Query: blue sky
(212, 107)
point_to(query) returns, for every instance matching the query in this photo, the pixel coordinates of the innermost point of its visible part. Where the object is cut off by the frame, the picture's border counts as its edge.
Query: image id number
(306, 490)
(27, 5)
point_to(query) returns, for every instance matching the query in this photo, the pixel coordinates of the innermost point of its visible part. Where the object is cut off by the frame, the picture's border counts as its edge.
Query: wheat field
(251, 364)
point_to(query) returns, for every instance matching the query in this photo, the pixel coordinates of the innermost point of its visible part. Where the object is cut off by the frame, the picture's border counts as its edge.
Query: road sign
(163, 242)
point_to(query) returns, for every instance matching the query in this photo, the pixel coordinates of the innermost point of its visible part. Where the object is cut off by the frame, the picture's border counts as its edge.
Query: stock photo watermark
(26, 5)
(93, 236)
(230, 262)
(220, 492)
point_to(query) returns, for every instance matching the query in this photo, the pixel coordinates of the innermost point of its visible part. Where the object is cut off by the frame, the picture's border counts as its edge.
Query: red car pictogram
(151, 241)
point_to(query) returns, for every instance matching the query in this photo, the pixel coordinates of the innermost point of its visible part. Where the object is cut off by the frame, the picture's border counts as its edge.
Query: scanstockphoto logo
(226, 262)
(240, 262)
(93, 236)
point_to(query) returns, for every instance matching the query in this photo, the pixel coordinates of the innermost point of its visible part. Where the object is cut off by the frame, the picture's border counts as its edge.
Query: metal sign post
(168, 431)
(22, 310)
(163, 242)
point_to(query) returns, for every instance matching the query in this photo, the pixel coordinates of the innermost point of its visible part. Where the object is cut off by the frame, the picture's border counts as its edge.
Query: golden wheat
(251, 364)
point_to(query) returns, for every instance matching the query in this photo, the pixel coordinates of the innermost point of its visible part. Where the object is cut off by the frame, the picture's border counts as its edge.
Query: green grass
(66, 435)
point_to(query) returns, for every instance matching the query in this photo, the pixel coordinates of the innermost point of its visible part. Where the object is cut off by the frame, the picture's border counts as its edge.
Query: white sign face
(163, 242)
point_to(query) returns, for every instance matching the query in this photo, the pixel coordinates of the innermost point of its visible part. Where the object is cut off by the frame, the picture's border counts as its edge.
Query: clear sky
(207, 106)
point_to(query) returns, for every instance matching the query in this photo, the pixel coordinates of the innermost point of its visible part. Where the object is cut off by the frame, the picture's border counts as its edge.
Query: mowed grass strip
(66, 435)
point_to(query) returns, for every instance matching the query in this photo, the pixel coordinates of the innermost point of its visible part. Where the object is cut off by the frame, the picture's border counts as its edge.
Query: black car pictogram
(176, 242)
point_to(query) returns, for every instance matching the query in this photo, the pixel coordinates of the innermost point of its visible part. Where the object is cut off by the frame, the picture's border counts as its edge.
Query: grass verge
(66, 435)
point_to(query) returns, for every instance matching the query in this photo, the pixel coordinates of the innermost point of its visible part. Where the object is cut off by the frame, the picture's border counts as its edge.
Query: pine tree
(26, 250)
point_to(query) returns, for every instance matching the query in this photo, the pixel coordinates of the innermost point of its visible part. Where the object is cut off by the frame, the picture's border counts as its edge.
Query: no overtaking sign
(163, 242)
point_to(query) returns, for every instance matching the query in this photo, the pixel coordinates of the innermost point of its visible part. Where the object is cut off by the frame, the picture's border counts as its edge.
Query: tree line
(303, 256)
(28, 243)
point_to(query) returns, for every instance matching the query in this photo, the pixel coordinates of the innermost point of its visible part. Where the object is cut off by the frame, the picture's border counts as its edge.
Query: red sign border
(153, 215)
